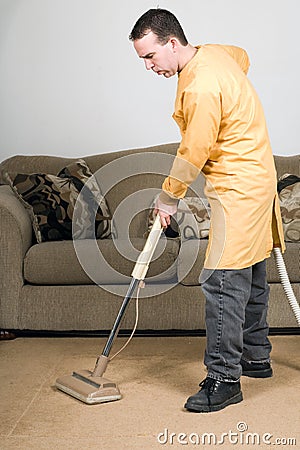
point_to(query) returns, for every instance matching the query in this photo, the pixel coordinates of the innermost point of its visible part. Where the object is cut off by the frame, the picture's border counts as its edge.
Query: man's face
(162, 59)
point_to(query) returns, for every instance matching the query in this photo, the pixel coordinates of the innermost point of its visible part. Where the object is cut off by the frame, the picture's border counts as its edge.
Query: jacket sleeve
(199, 119)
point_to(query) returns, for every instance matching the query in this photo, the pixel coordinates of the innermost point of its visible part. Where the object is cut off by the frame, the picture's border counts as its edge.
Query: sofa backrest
(287, 164)
(129, 179)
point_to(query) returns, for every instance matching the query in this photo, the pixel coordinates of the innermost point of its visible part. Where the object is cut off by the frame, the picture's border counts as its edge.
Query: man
(224, 135)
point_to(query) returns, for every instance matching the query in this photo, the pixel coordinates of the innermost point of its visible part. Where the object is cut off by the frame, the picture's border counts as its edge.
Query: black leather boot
(214, 395)
(256, 369)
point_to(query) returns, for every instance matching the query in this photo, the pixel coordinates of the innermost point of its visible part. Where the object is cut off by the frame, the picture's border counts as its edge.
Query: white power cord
(140, 286)
(286, 283)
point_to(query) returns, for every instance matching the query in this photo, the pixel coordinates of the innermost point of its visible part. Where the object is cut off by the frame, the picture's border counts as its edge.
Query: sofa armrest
(15, 240)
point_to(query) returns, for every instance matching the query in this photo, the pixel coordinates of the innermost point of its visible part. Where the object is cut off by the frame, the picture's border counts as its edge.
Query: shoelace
(210, 384)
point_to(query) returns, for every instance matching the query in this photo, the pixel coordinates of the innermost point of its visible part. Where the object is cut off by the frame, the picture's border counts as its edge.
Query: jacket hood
(239, 55)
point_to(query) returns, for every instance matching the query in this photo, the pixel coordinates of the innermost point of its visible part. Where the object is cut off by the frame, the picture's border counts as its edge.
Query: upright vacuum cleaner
(89, 386)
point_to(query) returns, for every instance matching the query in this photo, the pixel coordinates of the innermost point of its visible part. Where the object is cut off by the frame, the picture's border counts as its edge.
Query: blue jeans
(236, 319)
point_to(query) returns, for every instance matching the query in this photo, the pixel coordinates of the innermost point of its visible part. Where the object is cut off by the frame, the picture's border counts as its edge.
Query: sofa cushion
(106, 261)
(191, 260)
(51, 200)
(189, 268)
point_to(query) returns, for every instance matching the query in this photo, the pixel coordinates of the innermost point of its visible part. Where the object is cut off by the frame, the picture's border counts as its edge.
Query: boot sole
(267, 373)
(211, 408)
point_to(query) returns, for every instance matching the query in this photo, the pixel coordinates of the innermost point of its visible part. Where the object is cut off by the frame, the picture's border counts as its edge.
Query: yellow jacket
(224, 134)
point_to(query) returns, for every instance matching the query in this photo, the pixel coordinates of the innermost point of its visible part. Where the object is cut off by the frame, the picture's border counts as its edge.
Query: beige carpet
(155, 376)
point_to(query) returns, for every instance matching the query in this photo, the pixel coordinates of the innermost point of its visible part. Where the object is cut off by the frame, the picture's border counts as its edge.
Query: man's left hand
(165, 212)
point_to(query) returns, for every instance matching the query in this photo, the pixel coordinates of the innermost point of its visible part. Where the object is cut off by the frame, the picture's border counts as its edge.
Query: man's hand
(165, 212)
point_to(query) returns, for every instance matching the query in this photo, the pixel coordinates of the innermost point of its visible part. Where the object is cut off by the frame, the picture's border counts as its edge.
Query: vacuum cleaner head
(87, 388)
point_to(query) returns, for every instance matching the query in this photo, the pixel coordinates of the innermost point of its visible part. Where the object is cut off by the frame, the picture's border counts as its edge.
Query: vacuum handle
(141, 266)
(139, 273)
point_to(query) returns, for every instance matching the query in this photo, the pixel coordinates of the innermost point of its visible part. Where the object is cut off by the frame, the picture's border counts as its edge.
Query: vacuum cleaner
(89, 386)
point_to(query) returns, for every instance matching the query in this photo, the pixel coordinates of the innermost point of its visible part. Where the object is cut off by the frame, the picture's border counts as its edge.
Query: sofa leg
(6, 335)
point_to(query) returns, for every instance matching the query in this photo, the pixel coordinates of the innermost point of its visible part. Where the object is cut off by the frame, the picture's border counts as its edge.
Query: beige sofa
(52, 286)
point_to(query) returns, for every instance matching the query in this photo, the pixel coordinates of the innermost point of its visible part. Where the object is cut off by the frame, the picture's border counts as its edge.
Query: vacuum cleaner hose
(286, 283)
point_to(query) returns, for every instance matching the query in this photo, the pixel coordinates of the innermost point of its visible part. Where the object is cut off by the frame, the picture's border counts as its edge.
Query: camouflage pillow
(192, 220)
(289, 197)
(51, 199)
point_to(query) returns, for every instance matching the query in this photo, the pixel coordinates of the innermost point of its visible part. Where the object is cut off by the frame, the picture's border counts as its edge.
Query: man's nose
(149, 64)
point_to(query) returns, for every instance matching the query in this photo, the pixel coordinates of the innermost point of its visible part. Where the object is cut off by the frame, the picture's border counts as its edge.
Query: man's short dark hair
(162, 23)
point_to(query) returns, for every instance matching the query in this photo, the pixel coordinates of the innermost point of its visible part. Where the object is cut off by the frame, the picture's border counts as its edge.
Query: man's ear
(174, 44)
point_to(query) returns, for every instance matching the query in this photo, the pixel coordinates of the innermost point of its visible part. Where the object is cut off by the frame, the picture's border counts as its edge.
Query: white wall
(71, 83)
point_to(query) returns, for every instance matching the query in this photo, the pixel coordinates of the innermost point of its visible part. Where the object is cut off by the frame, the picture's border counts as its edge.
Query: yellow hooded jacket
(224, 134)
